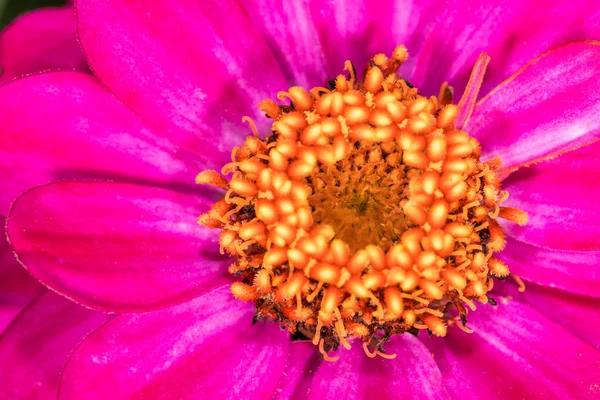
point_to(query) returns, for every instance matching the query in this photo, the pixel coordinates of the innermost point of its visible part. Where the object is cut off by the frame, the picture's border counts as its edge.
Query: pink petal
(65, 125)
(17, 286)
(313, 41)
(117, 247)
(302, 363)
(550, 106)
(34, 350)
(561, 198)
(507, 30)
(515, 353)
(578, 314)
(206, 348)
(411, 375)
(8, 312)
(192, 70)
(289, 31)
(573, 271)
(38, 41)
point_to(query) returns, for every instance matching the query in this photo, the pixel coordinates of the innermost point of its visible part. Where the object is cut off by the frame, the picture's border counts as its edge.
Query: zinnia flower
(321, 244)
(37, 41)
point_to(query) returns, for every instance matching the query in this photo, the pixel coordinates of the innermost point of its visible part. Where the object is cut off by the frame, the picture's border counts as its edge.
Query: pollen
(364, 213)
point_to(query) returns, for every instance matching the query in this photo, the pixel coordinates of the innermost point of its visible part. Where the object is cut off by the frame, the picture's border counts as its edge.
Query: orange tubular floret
(365, 211)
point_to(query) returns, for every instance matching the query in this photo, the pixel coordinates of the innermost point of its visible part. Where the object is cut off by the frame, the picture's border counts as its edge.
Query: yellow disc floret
(365, 213)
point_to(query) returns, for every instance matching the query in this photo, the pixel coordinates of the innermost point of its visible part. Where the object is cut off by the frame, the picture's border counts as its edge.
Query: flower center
(364, 214)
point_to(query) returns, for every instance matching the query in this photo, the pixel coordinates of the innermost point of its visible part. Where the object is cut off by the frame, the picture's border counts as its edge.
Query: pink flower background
(102, 167)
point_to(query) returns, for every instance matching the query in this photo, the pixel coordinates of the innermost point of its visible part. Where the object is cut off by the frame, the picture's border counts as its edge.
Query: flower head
(173, 83)
(365, 213)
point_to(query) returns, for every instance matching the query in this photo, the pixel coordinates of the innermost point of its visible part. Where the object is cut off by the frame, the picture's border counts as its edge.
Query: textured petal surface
(16, 283)
(350, 30)
(548, 107)
(191, 69)
(35, 348)
(206, 348)
(561, 198)
(514, 353)
(507, 30)
(578, 314)
(116, 247)
(39, 41)
(411, 375)
(8, 312)
(302, 363)
(573, 271)
(65, 125)
(290, 32)
(312, 40)
(17, 286)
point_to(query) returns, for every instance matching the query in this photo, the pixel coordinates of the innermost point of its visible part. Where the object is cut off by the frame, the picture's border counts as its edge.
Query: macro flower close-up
(301, 200)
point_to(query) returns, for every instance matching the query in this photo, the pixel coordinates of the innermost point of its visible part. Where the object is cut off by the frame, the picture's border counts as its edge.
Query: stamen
(339, 325)
(503, 198)
(482, 227)
(316, 91)
(351, 71)
(496, 211)
(519, 282)
(252, 126)
(368, 352)
(467, 207)
(472, 247)
(299, 302)
(468, 303)
(446, 94)
(326, 356)
(317, 333)
(464, 328)
(314, 294)
(385, 355)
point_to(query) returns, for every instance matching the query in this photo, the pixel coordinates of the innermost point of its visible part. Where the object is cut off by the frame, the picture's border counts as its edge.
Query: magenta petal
(357, 31)
(35, 348)
(17, 286)
(573, 271)
(192, 70)
(39, 41)
(534, 115)
(561, 198)
(411, 375)
(14, 298)
(302, 363)
(515, 353)
(116, 247)
(507, 30)
(315, 39)
(206, 348)
(289, 31)
(578, 314)
(8, 312)
(66, 125)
